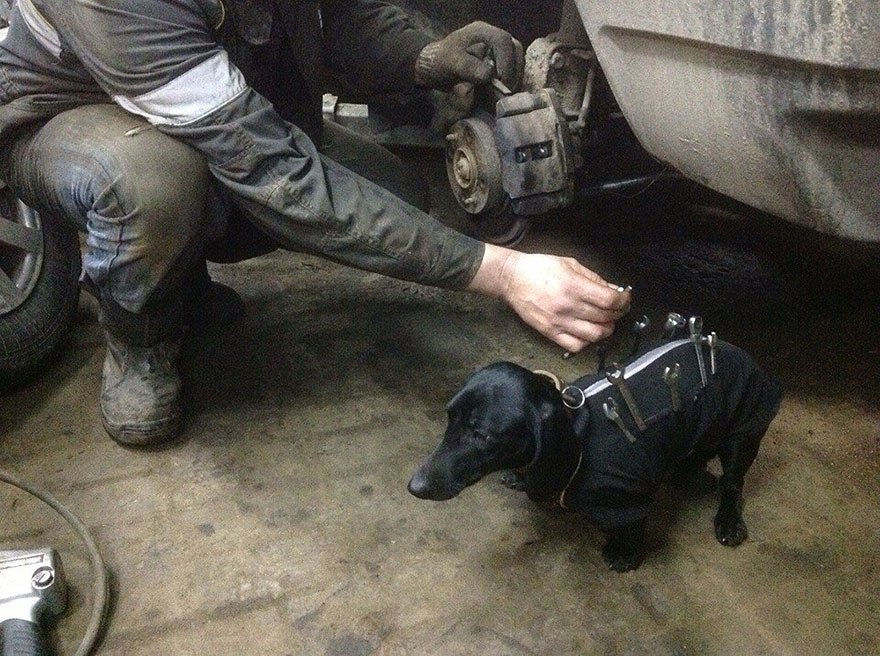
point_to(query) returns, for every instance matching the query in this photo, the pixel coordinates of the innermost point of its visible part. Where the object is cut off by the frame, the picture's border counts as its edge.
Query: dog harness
(639, 418)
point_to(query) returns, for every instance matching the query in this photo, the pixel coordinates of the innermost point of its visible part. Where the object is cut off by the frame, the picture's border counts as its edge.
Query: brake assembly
(523, 156)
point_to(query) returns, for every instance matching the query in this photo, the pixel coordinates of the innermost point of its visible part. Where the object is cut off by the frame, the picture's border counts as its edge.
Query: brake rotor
(473, 166)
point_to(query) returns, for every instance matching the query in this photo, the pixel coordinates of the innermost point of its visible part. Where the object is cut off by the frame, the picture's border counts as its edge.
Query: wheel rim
(21, 251)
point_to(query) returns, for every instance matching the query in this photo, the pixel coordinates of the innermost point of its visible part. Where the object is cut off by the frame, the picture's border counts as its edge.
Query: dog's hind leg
(625, 548)
(691, 475)
(737, 453)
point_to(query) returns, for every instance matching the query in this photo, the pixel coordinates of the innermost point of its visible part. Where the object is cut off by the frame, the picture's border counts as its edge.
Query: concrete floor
(280, 522)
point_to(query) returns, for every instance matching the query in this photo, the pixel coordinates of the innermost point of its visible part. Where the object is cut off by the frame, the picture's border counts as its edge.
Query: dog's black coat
(507, 417)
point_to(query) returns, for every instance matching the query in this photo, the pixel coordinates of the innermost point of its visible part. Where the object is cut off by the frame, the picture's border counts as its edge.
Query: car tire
(503, 228)
(39, 288)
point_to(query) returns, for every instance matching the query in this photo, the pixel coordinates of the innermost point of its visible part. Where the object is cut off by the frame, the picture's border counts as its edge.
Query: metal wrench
(674, 323)
(639, 328)
(695, 326)
(615, 376)
(610, 409)
(670, 377)
(712, 341)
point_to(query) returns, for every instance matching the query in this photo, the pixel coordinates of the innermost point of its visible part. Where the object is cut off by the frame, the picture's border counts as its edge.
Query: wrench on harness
(616, 376)
(695, 326)
(611, 411)
(674, 323)
(712, 341)
(670, 377)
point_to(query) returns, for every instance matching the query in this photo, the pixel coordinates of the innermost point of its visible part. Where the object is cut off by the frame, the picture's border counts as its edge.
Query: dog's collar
(557, 383)
(560, 500)
(540, 450)
(553, 378)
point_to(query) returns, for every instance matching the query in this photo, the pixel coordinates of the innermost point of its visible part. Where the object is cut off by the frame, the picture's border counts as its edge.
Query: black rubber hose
(100, 586)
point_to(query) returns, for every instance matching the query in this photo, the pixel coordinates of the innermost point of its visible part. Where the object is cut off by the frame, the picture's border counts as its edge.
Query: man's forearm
(496, 267)
(373, 43)
(309, 203)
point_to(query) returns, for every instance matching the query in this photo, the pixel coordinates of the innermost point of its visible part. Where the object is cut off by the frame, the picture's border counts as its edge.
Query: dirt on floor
(280, 522)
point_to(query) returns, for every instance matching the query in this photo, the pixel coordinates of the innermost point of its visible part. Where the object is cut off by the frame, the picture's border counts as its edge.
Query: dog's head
(495, 422)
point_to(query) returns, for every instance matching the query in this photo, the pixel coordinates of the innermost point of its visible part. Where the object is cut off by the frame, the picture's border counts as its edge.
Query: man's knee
(139, 194)
(145, 173)
(99, 163)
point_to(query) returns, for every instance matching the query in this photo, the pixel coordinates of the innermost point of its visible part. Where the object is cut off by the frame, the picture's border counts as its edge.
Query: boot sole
(147, 434)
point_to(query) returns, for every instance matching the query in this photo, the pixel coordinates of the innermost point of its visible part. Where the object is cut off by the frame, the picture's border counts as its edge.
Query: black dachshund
(591, 449)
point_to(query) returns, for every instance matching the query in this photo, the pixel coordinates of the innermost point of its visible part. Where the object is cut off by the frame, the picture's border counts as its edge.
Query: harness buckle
(573, 397)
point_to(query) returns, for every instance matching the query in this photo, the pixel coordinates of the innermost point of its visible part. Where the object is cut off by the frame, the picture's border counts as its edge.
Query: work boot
(140, 392)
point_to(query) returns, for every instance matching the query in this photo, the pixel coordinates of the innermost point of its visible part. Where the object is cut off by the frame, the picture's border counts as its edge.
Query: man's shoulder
(214, 11)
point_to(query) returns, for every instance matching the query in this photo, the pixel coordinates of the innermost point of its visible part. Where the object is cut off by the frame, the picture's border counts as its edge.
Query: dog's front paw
(622, 561)
(730, 531)
(513, 480)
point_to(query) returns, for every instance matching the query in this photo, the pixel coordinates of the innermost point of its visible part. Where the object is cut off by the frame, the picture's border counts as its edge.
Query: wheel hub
(21, 251)
(464, 167)
(474, 166)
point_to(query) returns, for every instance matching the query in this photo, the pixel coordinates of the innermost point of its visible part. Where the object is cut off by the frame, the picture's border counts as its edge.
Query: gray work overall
(168, 130)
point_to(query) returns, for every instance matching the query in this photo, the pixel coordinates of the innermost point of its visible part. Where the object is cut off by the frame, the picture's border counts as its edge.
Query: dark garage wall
(525, 19)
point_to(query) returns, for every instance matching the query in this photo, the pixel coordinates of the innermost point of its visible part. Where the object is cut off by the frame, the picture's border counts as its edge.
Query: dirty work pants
(151, 210)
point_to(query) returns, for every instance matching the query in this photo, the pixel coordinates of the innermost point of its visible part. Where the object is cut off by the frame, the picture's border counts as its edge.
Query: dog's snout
(430, 483)
(418, 486)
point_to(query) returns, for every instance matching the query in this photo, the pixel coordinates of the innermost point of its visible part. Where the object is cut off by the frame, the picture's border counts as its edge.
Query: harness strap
(551, 376)
(557, 383)
(561, 500)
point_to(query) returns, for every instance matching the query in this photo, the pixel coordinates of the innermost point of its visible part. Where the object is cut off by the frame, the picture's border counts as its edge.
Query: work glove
(450, 106)
(466, 55)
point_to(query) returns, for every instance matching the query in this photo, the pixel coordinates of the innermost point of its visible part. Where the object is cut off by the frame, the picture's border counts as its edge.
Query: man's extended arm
(160, 60)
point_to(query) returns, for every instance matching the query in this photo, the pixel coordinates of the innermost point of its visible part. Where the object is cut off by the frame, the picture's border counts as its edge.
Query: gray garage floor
(280, 523)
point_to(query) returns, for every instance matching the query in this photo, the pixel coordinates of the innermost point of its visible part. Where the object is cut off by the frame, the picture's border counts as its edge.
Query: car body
(773, 102)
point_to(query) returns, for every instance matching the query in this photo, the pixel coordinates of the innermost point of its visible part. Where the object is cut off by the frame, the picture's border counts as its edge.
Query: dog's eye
(480, 435)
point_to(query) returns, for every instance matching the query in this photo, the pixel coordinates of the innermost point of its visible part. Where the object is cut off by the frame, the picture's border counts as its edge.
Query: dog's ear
(546, 412)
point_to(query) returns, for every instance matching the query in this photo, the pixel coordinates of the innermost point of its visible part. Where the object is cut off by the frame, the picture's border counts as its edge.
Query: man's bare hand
(557, 296)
